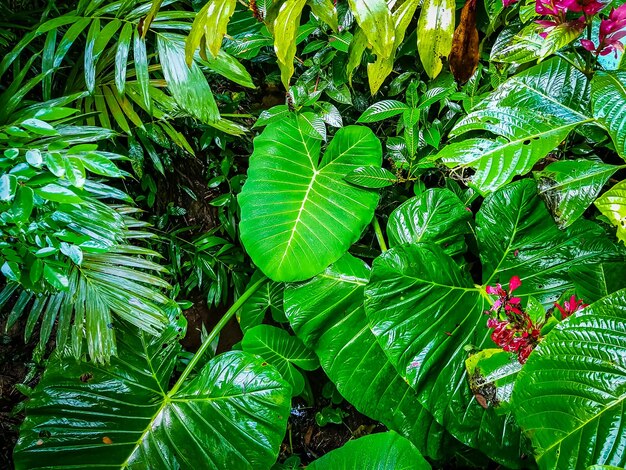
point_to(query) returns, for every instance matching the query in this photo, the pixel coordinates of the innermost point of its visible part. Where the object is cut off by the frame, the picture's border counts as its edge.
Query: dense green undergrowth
(434, 216)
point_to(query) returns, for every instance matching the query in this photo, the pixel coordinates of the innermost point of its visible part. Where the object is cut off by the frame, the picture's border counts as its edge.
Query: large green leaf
(569, 187)
(530, 115)
(327, 313)
(374, 19)
(188, 85)
(233, 414)
(435, 29)
(424, 310)
(608, 98)
(283, 351)
(383, 451)
(298, 214)
(436, 215)
(594, 282)
(613, 205)
(570, 396)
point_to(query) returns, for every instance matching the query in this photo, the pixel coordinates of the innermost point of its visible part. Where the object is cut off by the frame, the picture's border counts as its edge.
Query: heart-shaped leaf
(140, 425)
(570, 395)
(386, 450)
(298, 214)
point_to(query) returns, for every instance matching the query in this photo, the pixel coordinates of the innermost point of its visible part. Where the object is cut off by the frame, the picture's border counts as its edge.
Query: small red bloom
(508, 3)
(588, 7)
(570, 307)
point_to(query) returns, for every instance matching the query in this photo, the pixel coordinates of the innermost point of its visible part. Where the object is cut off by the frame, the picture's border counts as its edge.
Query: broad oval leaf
(383, 451)
(435, 30)
(570, 395)
(283, 351)
(298, 214)
(530, 114)
(517, 47)
(569, 187)
(436, 215)
(608, 98)
(141, 425)
(327, 313)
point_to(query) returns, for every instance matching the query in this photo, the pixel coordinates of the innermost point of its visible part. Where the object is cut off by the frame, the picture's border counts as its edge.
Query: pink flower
(588, 7)
(612, 31)
(508, 3)
(571, 306)
(550, 7)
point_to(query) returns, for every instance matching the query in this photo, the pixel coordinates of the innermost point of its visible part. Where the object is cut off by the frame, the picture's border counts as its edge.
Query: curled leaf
(464, 55)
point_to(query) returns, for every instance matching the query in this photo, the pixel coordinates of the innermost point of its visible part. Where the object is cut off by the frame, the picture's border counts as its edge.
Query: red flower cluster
(513, 330)
(558, 10)
(571, 306)
(612, 31)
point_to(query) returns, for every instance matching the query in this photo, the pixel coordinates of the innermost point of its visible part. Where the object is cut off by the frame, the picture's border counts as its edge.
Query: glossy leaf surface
(140, 425)
(374, 19)
(437, 216)
(612, 204)
(530, 114)
(298, 213)
(327, 313)
(569, 187)
(571, 393)
(283, 351)
(435, 29)
(383, 451)
(608, 98)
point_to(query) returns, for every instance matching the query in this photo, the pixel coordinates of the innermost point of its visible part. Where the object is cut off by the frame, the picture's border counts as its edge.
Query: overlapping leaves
(231, 415)
(530, 115)
(424, 310)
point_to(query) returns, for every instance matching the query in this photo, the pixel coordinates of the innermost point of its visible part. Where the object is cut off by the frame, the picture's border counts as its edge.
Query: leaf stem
(214, 332)
(379, 235)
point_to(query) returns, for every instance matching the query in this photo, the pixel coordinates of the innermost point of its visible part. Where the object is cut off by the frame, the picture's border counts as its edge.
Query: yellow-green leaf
(285, 31)
(612, 204)
(374, 18)
(435, 30)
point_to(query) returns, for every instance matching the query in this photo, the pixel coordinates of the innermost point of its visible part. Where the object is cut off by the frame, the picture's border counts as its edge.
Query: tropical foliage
(432, 222)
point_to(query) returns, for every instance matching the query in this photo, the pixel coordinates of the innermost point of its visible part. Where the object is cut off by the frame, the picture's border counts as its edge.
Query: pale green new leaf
(210, 22)
(435, 30)
(298, 214)
(570, 396)
(285, 31)
(612, 204)
(608, 99)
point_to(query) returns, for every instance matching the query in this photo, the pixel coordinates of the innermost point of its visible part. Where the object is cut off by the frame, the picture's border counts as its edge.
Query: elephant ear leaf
(140, 425)
(298, 214)
(383, 450)
(570, 395)
(327, 313)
